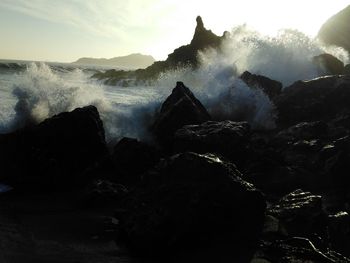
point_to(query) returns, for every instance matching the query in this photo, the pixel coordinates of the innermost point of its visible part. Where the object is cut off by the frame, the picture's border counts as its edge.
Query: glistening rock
(190, 201)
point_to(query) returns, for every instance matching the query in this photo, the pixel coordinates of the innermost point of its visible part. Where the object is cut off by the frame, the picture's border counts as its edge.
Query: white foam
(40, 91)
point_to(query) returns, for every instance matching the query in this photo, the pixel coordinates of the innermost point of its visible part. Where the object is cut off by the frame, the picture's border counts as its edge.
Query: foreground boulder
(304, 131)
(271, 87)
(300, 214)
(131, 158)
(227, 138)
(179, 109)
(191, 201)
(295, 250)
(55, 152)
(314, 100)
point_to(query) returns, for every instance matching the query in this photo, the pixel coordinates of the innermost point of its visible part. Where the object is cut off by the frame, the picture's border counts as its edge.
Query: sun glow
(269, 16)
(156, 27)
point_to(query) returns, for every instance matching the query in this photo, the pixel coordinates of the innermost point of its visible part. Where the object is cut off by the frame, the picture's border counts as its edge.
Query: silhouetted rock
(272, 88)
(131, 158)
(329, 65)
(339, 232)
(300, 214)
(184, 56)
(336, 164)
(304, 131)
(336, 30)
(294, 250)
(179, 109)
(347, 69)
(54, 153)
(226, 138)
(314, 100)
(192, 201)
(103, 193)
(274, 177)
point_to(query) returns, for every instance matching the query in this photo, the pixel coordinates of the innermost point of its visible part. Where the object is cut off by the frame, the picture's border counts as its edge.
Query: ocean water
(33, 91)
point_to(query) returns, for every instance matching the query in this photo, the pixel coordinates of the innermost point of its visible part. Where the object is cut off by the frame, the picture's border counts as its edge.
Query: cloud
(108, 18)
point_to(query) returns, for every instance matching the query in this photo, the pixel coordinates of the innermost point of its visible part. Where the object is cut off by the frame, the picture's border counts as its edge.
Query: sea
(38, 90)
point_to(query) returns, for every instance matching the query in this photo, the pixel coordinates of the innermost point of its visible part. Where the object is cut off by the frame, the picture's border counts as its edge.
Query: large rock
(55, 152)
(336, 163)
(271, 87)
(336, 30)
(329, 64)
(314, 100)
(190, 201)
(339, 232)
(296, 250)
(131, 158)
(304, 131)
(179, 109)
(300, 214)
(227, 138)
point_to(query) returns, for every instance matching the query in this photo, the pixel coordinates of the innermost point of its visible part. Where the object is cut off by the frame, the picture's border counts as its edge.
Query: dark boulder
(329, 65)
(347, 69)
(336, 30)
(179, 109)
(295, 250)
(300, 213)
(336, 163)
(339, 232)
(103, 193)
(131, 158)
(304, 131)
(314, 100)
(190, 201)
(227, 138)
(272, 88)
(54, 153)
(274, 177)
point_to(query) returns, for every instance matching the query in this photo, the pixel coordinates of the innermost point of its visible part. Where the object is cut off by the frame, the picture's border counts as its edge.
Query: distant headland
(132, 61)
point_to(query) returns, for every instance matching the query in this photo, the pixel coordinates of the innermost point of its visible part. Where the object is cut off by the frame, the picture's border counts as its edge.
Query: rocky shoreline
(204, 187)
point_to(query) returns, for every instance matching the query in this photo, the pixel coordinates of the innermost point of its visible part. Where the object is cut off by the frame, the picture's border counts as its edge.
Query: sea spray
(286, 57)
(42, 93)
(42, 90)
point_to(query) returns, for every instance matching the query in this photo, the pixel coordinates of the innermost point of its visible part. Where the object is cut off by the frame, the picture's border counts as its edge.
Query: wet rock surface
(205, 188)
(306, 100)
(227, 138)
(296, 250)
(192, 200)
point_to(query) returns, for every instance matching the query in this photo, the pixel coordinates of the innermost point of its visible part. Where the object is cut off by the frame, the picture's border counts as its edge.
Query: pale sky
(65, 30)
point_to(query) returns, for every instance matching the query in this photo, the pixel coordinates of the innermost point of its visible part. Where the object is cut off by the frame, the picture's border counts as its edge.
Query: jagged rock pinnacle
(199, 22)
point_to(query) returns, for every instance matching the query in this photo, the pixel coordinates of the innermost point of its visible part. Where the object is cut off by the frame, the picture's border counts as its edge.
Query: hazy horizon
(64, 31)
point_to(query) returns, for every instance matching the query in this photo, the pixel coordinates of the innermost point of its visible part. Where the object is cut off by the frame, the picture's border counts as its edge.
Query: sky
(65, 30)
